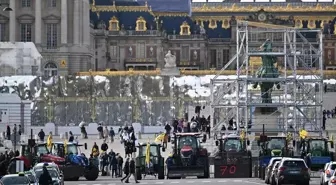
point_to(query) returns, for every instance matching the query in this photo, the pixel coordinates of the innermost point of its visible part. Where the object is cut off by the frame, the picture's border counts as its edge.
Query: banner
(233, 166)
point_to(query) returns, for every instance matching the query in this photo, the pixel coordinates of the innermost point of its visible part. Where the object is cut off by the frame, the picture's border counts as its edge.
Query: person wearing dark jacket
(126, 170)
(8, 133)
(104, 146)
(71, 138)
(114, 165)
(45, 178)
(41, 135)
(120, 163)
(131, 171)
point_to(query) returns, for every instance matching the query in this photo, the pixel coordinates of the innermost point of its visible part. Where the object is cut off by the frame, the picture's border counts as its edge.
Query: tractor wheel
(138, 174)
(161, 173)
(72, 179)
(92, 173)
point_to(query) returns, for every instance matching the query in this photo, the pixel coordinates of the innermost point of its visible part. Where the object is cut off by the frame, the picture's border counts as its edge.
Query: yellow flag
(242, 134)
(160, 138)
(303, 134)
(65, 146)
(49, 141)
(148, 154)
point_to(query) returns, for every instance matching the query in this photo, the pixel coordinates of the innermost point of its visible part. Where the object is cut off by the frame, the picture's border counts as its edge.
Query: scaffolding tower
(297, 104)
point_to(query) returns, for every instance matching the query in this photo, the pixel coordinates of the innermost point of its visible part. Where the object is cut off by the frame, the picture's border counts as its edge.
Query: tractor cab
(319, 150)
(36, 150)
(275, 146)
(59, 150)
(232, 143)
(189, 157)
(156, 161)
(186, 142)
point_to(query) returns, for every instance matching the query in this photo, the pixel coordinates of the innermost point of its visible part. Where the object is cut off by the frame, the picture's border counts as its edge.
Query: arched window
(50, 69)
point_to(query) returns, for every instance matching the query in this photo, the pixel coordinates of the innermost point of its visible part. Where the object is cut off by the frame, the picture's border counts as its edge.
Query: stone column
(64, 22)
(76, 24)
(86, 22)
(38, 22)
(12, 22)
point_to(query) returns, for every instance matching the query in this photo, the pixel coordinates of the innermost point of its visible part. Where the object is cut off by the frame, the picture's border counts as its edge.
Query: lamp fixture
(7, 8)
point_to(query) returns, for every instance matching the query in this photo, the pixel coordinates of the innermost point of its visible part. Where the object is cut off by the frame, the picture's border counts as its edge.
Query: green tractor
(156, 165)
(319, 149)
(272, 146)
(275, 146)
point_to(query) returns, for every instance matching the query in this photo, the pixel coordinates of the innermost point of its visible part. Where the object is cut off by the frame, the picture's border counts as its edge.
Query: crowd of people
(113, 162)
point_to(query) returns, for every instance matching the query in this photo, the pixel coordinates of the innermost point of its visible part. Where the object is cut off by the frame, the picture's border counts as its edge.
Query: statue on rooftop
(170, 60)
(267, 70)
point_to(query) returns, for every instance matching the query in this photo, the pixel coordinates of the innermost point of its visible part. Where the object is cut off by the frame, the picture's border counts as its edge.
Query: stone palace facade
(99, 35)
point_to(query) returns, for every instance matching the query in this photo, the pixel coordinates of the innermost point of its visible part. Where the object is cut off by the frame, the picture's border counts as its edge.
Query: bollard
(66, 135)
(61, 136)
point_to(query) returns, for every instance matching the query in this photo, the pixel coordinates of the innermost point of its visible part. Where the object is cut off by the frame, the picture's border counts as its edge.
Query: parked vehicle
(292, 171)
(327, 172)
(15, 179)
(269, 168)
(273, 172)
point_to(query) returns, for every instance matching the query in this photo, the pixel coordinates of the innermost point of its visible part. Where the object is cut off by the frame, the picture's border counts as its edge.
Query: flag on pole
(65, 146)
(148, 154)
(303, 134)
(49, 141)
(160, 138)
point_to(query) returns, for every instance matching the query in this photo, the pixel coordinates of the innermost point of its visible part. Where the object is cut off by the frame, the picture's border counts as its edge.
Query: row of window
(26, 34)
(28, 3)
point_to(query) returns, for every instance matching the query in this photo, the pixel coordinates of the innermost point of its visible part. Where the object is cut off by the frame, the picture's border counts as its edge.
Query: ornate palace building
(80, 35)
(60, 30)
(202, 35)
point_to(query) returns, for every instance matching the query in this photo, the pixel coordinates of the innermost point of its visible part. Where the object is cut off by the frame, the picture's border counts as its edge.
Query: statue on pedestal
(267, 70)
(170, 60)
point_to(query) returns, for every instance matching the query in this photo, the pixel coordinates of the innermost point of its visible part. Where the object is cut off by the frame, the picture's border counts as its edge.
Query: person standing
(120, 163)
(114, 165)
(106, 133)
(71, 138)
(95, 150)
(104, 146)
(112, 134)
(20, 130)
(41, 135)
(8, 133)
(100, 131)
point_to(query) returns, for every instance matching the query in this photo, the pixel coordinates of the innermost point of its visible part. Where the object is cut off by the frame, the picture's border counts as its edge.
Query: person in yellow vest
(95, 150)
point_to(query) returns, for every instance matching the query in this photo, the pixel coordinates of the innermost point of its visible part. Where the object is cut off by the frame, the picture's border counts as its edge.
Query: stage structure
(283, 102)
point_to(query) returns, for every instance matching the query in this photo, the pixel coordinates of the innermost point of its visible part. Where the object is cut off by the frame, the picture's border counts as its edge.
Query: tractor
(319, 150)
(234, 155)
(76, 163)
(272, 146)
(34, 153)
(189, 157)
(156, 165)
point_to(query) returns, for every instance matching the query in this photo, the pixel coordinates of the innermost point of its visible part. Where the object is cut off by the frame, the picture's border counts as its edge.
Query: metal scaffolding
(298, 102)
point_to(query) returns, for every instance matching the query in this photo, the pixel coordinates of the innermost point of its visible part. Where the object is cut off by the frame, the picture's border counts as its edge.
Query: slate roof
(293, 3)
(148, 8)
